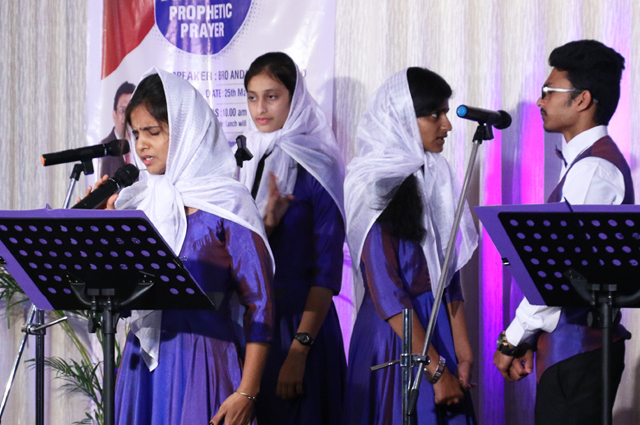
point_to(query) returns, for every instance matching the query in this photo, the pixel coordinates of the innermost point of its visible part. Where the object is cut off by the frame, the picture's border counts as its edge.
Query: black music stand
(103, 261)
(579, 256)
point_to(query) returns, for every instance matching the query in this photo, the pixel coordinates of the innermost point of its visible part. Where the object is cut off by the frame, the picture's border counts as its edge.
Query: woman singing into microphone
(185, 367)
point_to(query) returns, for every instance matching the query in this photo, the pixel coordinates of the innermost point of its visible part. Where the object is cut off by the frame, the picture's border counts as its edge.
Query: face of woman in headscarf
(152, 140)
(269, 102)
(434, 128)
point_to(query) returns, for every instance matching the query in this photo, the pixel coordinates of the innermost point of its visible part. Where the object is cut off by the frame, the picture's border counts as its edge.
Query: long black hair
(405, 205)
(404, 212)
(278, 66)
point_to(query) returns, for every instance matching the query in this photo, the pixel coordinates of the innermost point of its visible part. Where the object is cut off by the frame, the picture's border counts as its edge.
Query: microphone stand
(78, 169)
(410, 390)
(36, 325)
(483, 132)
(37, 328)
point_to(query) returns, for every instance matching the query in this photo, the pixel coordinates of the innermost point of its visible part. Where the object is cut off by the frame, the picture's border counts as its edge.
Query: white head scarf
(388, 150)
(199, 174)
(305, 139)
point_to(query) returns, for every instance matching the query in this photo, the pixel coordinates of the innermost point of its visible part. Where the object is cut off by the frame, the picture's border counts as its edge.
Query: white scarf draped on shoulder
(306, 139)
(199, 174)
(388, 150)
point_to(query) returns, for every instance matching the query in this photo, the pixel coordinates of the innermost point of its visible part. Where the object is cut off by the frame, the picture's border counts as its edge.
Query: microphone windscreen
(126, 175)
(505, 122)
(117, 147)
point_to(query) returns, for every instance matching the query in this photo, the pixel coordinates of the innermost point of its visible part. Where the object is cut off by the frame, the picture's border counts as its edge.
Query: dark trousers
(570, 392)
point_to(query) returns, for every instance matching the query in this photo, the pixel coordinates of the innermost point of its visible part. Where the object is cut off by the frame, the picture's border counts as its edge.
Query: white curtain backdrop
(492, 52)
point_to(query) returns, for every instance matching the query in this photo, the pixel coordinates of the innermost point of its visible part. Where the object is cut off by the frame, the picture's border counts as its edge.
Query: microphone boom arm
(483, 132)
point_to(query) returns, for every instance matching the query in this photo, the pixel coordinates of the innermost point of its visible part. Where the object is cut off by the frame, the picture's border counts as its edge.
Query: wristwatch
(304, 338)
(503, 347)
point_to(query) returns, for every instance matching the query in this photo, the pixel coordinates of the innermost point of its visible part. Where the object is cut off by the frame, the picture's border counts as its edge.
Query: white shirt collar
(582, 141)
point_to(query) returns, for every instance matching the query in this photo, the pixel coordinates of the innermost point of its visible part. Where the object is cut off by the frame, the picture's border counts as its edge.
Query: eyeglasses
(546, 90)
(121, 110)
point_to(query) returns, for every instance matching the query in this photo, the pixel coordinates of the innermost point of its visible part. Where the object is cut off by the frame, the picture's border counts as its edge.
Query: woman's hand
(110, 204)
(236, 410)
(448, 390)
(277, 205)
(464, 374)
(292, 372)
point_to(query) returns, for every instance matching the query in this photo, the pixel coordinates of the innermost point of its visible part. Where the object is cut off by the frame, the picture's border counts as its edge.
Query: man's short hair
(125, 88)
(590, 65)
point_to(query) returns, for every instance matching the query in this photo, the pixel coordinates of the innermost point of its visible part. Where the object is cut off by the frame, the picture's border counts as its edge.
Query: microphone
(498, 119)
(242, 153)
(113, 148)
(123, 177)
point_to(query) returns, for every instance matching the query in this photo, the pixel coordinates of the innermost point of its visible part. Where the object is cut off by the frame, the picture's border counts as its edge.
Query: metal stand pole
(38, 329)
(603, 295)
(75, 176)
(108, 351)
(16, 363)
(483, 132)
(40, 368)
(605, 310)
(102, 301)
(406, 362)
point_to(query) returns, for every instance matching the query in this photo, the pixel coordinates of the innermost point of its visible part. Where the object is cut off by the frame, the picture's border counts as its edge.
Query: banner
(209, 43)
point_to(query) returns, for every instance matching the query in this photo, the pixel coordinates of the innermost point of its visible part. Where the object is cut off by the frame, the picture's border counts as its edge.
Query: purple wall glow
(491, 265)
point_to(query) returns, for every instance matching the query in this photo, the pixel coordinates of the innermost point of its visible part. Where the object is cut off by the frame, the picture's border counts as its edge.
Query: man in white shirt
(577, 100)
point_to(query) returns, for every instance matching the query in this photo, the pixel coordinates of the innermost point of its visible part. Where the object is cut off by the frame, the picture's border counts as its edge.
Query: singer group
(268, 233)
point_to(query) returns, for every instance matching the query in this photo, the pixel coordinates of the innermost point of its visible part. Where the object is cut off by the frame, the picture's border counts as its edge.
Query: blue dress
(200, 361)
(307, 247)
(396, 277)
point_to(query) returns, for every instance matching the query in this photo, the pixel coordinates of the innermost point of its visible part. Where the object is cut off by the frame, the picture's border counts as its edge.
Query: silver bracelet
(439, 371)
(250, 397)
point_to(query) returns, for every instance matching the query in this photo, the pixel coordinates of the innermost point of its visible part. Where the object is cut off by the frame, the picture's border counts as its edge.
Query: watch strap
(304, 338)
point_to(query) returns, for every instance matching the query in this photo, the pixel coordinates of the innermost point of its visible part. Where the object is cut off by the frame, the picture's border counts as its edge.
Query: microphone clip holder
(242, 153)
(85, 167)
(483, 132)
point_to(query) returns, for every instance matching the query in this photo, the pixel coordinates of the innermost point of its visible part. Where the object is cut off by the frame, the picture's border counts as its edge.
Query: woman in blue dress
(296, 177)
(185, 367)
(400, 196)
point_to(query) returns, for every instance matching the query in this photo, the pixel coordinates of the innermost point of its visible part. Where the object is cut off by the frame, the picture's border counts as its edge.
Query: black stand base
(605, 298)
(103, 302)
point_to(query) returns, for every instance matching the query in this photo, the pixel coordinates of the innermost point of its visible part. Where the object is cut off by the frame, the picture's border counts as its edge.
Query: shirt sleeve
(328, 239)
(594, 180)
(380, 267)
(252, 268)
(530, 320)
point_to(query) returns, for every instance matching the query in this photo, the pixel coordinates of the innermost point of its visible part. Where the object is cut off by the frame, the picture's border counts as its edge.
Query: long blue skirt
(199, 367)
(375, 398)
